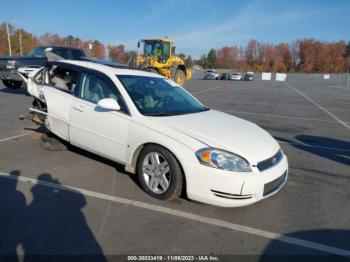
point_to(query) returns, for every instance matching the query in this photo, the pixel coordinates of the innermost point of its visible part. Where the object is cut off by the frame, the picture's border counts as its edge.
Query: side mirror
(109, 104)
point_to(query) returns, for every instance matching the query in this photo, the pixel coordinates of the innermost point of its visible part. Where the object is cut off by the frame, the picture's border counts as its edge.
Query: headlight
(222, 160)
(11, 64)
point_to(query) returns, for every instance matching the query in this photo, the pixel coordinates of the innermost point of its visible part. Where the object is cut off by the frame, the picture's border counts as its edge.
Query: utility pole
(8, 38)
(20, 41)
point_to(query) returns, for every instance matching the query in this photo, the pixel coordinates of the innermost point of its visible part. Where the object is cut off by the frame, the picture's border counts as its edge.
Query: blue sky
(195, 25)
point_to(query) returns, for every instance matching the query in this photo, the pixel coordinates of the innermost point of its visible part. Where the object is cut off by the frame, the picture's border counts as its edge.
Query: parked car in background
(236, 76)
(225, 76)
(211, 74)
(161, 133)
(35, 59)
(248, 76)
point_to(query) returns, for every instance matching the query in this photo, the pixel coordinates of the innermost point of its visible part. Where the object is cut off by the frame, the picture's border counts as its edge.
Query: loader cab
(160, 48)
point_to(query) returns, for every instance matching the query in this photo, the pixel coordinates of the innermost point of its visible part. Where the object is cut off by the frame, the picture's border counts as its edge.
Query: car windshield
(156, 96)
(37, 52)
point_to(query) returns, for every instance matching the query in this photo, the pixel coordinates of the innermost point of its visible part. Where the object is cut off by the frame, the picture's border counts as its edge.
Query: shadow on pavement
(277, 250)
(333, 149)
(52, 225)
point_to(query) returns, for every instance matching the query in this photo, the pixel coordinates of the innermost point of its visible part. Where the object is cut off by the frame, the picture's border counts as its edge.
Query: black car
(225, 76)
(36, 58)
(248, 76)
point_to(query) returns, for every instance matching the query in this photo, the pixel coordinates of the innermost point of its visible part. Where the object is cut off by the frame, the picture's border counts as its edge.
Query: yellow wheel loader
(159, 57)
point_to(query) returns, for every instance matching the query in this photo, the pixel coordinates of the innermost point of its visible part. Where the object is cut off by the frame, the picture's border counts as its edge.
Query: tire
(180, 77)
(174, 175)
(13, 84)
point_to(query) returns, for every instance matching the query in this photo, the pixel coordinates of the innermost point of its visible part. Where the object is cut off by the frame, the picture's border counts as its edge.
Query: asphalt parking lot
(75, 203)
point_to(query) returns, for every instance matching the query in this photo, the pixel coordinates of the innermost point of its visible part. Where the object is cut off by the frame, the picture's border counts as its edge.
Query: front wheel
(159, 173)
(13, 84)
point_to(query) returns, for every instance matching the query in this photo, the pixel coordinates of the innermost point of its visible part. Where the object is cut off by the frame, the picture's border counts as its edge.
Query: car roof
(108, 69)
(55, 46)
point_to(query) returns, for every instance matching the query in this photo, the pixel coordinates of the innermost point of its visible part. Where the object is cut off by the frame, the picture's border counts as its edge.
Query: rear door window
(63, 78)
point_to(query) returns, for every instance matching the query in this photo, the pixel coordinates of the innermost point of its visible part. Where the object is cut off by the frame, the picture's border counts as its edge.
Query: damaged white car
(160, 132)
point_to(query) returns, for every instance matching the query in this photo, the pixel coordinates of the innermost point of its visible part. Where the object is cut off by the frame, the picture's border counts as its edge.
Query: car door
(60, 81)
(35, 83)
(98, 130)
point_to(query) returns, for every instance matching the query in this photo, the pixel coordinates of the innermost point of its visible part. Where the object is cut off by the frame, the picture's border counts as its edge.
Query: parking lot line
(313, 146)
(13, 137)
(266, 104)
(319, 106)
(186, 215)
(207, 90)
(281, 116)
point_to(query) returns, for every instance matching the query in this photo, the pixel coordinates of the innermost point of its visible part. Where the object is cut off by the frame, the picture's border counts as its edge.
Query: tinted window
(157, 96)
(62, 52)
(93, 88)
(77, 53)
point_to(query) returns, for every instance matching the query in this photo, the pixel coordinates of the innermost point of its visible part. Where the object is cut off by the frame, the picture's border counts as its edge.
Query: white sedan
(237, 76)
(161, 133)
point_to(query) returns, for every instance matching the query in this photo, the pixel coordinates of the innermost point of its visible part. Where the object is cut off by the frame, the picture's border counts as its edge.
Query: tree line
(305, 55)
(30, 41)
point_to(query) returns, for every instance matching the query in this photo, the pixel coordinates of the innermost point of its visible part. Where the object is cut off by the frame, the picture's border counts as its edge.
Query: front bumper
(9, 74)
(233, 189)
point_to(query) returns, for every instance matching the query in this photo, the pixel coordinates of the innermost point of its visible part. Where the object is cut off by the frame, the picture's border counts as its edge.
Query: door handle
(79, 108)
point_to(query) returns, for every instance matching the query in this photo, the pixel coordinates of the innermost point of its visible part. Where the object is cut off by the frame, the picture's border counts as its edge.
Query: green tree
(203, 61)
(211, 58)
(117, 53)
(189, 62)
(182, 55)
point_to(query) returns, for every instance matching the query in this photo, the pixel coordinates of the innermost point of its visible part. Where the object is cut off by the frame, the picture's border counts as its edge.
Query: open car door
(35, 83)
(60, 81)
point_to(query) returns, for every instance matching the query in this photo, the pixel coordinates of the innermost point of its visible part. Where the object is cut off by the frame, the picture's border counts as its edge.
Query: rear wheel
(159, 173)
(180, 77)
(13, 84)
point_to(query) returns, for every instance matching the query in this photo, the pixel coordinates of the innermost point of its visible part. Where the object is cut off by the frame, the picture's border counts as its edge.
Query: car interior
(63, 78)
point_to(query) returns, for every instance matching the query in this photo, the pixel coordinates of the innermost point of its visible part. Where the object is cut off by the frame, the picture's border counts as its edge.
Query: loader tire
(180, 77)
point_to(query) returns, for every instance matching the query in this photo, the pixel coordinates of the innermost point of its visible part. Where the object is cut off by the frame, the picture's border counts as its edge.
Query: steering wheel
(165, 100)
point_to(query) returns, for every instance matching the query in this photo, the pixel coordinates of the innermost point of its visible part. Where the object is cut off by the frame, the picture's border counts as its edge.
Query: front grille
(270, 162)
(230, 196)
(274, 185)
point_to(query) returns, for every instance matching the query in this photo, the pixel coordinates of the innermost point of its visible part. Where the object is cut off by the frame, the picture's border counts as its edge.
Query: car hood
(227, 132)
